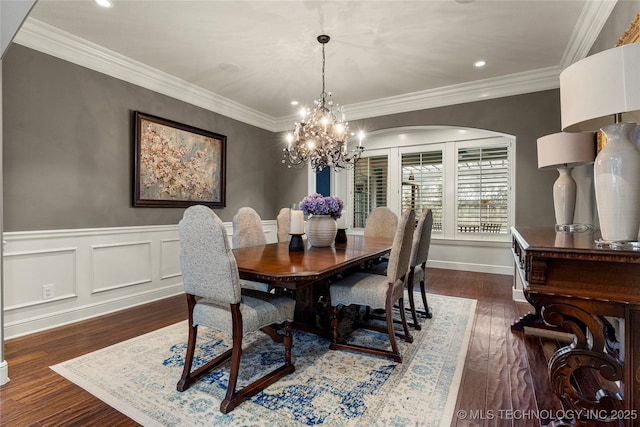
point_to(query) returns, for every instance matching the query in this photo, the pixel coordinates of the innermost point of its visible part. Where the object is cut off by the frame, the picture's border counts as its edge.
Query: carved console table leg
(588, 406)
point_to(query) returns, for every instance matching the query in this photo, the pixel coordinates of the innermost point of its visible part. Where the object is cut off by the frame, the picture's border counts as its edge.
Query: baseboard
(52, 320)
(518, 296)
(4, 373)
(478, 268)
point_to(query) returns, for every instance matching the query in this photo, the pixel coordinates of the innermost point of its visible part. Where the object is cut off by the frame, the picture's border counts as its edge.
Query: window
(422, 175)
(465, 176)
(369, 187)
(483, 189)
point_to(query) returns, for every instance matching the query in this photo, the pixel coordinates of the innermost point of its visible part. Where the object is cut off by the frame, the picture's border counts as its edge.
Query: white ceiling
(249, 59)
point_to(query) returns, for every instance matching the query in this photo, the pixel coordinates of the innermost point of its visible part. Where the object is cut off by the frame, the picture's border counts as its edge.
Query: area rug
(329, 388)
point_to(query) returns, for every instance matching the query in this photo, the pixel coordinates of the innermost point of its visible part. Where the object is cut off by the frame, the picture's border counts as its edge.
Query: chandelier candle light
(321, 136)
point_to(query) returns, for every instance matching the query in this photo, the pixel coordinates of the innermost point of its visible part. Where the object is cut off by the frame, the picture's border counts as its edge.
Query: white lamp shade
(594, 89)
(563, 148)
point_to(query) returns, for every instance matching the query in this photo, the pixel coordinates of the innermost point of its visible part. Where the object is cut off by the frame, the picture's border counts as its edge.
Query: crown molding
(590, 23)
(479, 90)
(45, 38)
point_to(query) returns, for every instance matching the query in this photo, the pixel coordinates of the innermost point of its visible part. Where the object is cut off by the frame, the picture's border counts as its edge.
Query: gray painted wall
(68, 148)
(68, 145)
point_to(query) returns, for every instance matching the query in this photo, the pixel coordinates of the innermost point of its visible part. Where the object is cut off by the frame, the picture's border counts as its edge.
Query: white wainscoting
(92, 272)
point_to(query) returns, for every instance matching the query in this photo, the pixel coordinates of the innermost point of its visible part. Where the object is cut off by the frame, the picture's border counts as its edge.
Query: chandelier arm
(321, 137)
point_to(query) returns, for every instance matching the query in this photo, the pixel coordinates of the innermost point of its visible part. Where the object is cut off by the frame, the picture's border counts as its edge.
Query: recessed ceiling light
(104, 3)
(479, 64)
(294, 102)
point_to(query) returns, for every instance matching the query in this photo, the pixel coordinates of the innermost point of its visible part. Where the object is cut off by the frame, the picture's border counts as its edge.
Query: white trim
(590, 23)
(497, 87)
(48, 39)
(4, 372)
(139, 276)
(59, 318)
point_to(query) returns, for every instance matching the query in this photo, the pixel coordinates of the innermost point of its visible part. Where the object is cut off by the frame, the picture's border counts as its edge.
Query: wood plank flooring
(504, 380)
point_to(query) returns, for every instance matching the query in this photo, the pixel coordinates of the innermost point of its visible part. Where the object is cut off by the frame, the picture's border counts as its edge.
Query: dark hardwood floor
(504, 381)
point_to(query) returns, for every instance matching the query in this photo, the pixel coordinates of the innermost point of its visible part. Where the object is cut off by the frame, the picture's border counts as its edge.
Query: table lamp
(564, 151)
(594, 93)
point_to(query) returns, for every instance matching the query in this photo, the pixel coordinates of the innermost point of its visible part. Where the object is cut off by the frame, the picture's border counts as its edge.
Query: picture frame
(177, 165)
(632, 34)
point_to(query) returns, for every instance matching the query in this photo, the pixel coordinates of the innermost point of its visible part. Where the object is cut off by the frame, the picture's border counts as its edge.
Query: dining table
(307, 274)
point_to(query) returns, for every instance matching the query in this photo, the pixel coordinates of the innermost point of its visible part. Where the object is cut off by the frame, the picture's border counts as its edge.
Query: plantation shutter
(422, 184)
(369, 187)
(483, 189)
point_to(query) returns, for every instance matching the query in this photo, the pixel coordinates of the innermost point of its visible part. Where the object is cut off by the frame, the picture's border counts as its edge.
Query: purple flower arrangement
(317, 204)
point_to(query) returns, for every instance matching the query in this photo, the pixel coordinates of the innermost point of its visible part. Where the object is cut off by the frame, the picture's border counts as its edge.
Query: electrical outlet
(48, 291)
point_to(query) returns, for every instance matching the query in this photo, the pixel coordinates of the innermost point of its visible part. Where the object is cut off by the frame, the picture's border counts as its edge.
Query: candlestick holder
(296, 243)
(341, 235)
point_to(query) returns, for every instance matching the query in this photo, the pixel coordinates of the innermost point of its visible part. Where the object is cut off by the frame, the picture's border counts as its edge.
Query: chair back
(283, 220)
(381, 222)
(247, 229)
(209, 268)
(401, 249)
(421, 239)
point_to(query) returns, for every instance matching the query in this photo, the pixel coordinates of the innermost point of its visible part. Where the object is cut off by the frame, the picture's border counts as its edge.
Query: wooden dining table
(307, 274)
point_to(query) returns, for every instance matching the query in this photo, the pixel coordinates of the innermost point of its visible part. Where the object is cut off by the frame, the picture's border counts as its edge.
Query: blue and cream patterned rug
(329, 388)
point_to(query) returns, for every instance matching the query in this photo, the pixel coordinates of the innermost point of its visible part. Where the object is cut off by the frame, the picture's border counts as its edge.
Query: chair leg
(427, 311)
(229, 401)
(405, 326)
(390, 329)
(412, 304)
(233, 398)
(185, 379)
(189, 377)
(334, 325)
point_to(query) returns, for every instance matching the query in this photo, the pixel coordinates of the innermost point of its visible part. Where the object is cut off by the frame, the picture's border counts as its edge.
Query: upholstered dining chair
(377, 292)
(418, 262)
(283, 221)
(215, 300)
(381, 222)
(248, 231)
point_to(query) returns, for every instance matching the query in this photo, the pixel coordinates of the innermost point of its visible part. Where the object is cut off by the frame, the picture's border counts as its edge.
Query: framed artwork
(177, 165)
(632, 34)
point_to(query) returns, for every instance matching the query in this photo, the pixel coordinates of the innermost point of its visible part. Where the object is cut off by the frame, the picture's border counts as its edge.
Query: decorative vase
(617, 183)
(321, 230)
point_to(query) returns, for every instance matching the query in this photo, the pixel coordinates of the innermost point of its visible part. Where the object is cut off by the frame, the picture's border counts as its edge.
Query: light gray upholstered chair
(215, 300)
(418, 263)
(283, 220)
(381, 222)
(248, 231)
(377, 292)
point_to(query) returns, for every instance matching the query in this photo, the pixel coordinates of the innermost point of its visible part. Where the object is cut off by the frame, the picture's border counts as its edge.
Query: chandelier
(320, 137)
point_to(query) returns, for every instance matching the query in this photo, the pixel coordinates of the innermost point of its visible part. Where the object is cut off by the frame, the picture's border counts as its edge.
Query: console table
(575, 284)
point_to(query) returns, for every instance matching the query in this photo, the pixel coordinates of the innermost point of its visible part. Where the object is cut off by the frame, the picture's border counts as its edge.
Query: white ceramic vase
(564, 196)
(321, 230)
(617, 183)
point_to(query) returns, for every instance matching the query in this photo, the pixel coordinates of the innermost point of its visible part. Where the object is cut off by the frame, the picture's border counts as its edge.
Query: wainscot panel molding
(482, 256)
(57, 277)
